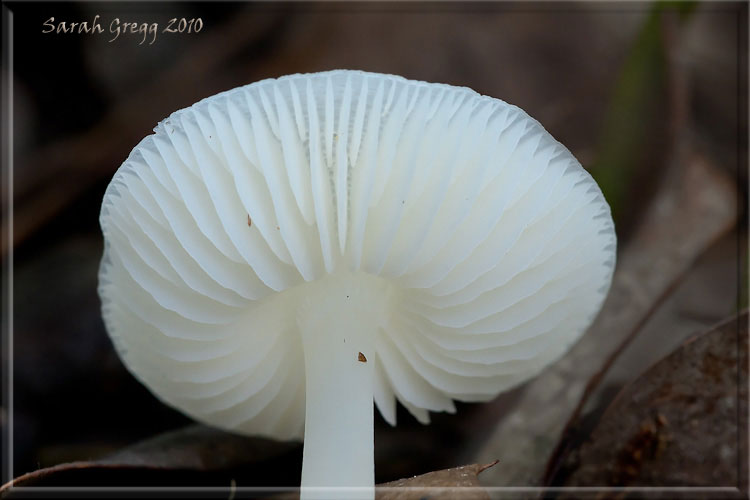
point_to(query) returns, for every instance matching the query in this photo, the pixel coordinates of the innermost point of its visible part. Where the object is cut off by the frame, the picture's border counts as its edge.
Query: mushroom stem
(338, 337)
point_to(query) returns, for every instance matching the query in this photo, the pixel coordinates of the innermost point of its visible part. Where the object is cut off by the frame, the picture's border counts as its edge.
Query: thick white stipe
(338, 321)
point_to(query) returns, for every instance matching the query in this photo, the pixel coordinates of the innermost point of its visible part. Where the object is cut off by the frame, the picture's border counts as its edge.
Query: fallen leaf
(679, 423)
(200, 448)
(448, 484)
(195, 455)
(459, 482)
(706, 295)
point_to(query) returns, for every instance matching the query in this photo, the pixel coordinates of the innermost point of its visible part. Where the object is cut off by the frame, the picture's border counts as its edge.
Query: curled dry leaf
(679, 424)
(459, 482)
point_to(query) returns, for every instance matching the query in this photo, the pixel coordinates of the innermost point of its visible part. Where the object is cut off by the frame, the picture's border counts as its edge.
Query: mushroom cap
(495, 246)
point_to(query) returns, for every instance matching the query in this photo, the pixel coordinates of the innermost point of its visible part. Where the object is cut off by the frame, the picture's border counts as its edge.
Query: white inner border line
(6, 375)
(7, 181)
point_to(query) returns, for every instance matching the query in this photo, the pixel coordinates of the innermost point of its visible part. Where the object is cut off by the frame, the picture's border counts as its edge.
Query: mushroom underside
(280, 256)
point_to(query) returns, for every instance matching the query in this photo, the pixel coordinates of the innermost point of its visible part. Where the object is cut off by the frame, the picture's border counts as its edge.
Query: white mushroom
(282, 254)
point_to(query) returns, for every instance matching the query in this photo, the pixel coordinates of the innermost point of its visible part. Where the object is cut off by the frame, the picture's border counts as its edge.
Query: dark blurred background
(634, 90)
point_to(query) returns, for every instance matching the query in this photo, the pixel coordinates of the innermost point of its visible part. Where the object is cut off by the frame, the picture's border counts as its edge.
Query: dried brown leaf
(459, 482)
(448, 484)
(679, 423)
(168, 459)
(199, 448)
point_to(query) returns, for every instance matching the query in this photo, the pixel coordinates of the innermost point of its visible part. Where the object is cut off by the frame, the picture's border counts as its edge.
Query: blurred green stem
(636, 112)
